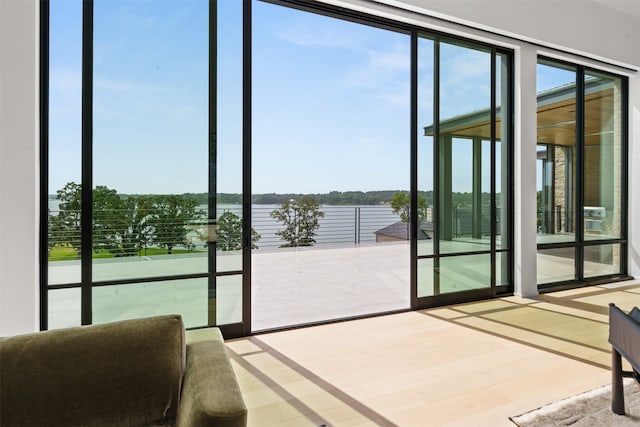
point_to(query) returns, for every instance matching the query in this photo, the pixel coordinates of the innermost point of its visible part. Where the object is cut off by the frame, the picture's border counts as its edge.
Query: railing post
(356, 226)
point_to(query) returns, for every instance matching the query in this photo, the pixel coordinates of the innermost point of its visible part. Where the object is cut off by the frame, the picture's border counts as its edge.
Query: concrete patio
(289, 286)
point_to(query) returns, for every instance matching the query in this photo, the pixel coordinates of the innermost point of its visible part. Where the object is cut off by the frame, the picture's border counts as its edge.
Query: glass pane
(464, 167)
(65, 112)
(464, 273)
(151, 138)
(556, 171)
(556, 265)
(64, 308)
(602, 157)
(229, 138)
(425, 145)
(601, 260)
(459, 274)
(229, 299)
(466, 226)
(185, 297)
(426, 278)
(330, 149)
(502, 269)
(502, 153)
(483, 221)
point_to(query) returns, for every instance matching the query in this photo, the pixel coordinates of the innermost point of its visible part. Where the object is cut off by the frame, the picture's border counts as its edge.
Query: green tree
(230, 233)
(401, 205)
(140, 213)
(173, 218)
(300, 220)
(64, 226)
(111, 223)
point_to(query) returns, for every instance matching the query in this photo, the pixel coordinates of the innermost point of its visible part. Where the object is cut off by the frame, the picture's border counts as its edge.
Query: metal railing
(118, 235)
(114, 236)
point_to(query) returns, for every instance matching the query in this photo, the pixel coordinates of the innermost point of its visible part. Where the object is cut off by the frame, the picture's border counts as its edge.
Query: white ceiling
(628, 7)
(603, 30)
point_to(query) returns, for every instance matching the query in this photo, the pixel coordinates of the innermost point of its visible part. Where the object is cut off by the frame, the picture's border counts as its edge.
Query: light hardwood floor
(473, 364)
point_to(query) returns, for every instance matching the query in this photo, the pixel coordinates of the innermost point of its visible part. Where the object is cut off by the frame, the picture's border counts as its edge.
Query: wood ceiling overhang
(556, 119)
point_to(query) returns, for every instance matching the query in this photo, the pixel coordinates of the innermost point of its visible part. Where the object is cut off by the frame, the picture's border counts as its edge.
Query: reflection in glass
(602, 157)
(601, 260)
(464, 273)
(425, 143)
(556, 265)
(426, 278)
(483, 223)
(464, 167)
(185, 297)
(150, 138)
(470, 167)
(503, 148)
(556, 181)
(502, 269)
(560, 177)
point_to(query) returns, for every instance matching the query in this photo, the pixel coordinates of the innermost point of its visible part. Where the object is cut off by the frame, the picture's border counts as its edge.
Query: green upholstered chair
(140, 372)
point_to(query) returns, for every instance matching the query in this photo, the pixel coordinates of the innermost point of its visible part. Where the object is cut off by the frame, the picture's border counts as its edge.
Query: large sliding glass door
(464, 152)
(134, 142)
(581, 165)
(257, 165)
(149, 121)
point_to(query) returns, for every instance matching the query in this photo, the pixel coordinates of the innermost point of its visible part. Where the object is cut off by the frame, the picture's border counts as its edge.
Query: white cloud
(380, 68)
(465, 81)
(326, 33)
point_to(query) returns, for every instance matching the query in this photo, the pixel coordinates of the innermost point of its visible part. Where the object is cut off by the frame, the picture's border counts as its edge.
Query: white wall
(524, 180)
(19, 167)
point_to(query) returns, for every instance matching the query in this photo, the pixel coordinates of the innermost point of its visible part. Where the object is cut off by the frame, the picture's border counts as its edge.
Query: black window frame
(580, 243)
(244, 328)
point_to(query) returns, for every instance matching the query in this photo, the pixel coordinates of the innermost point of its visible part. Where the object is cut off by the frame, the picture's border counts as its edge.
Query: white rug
(592, 408)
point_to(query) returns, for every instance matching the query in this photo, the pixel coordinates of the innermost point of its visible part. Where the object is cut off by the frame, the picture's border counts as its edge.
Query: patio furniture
(624, 337)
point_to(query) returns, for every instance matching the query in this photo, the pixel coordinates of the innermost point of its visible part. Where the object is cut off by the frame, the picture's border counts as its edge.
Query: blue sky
(150, 95)
(330, 104)
(330, 99)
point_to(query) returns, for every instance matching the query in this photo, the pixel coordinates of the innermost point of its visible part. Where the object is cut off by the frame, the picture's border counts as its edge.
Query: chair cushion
(121, 373)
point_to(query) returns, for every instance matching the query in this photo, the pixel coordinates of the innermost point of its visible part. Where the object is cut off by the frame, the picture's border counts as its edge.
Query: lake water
(341, 224)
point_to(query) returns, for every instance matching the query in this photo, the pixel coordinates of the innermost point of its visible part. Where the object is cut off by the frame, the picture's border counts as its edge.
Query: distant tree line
(334, 198)
(127, 225)
(357, 198)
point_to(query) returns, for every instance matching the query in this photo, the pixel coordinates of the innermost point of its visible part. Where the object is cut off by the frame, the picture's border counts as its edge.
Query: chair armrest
(210, 392)
(624, 335)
